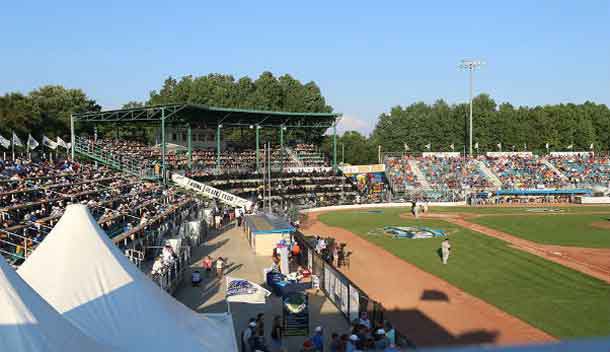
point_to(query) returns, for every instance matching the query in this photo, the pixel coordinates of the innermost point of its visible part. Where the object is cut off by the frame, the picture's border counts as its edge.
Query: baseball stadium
(225, 213)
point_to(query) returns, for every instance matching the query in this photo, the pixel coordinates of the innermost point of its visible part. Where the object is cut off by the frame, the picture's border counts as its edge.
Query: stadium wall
(381, 205)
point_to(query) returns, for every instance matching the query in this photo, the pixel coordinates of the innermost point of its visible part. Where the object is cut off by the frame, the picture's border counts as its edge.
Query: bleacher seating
(583, 170)
(33, 196)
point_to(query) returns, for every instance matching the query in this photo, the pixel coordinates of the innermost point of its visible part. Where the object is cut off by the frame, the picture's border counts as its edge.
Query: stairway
(293, 156)
(489, 174)
(555, 170)
(420, 175)
(211, 192)
(129, 165)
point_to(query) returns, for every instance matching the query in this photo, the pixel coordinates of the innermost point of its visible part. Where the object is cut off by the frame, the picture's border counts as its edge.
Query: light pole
(470, 65)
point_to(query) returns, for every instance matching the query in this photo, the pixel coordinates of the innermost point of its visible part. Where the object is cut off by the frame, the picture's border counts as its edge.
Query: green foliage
(358, 149)
(556, 299)
(45, 110)
(267, 92)
(442, 125)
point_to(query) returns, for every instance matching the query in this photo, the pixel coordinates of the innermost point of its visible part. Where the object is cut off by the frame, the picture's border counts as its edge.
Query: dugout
(265, 231)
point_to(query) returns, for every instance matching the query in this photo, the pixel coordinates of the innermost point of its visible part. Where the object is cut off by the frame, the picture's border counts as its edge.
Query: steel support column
(258, 166)
(282, 148)
(218, 146)
(163, 147)
(72, 137)
(189, 145)
(335, 147)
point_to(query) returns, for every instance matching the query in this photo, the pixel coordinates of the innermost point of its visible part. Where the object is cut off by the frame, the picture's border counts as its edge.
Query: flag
(428, 146)
(406, 147)
(240, 290)
(32, 143)
(476, 146)
(547, 146)
(16, 141)
(61, 143)
(591, 146)
(48, 143)
(5, 142)
(571, 146)
(452, 146)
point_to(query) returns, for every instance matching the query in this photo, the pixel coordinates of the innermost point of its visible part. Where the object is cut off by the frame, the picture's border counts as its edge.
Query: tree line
(47, 110)
(412, 128)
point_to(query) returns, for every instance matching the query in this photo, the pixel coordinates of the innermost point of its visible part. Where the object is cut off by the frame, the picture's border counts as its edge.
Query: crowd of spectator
(512, 171)
(233, 159)
(584, 169)
(302, 189)
(33, 196)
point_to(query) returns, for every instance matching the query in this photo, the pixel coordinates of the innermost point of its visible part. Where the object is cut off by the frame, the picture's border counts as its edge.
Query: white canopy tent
(29, 324)
(83, 275)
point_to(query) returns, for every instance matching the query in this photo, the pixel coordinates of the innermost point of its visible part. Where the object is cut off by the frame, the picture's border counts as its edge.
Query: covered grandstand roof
(197, 114)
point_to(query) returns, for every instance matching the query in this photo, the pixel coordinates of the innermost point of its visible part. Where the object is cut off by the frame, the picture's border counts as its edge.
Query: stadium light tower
(470, 66)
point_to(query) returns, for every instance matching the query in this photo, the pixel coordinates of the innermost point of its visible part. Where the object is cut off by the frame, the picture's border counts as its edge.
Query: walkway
(242, 263)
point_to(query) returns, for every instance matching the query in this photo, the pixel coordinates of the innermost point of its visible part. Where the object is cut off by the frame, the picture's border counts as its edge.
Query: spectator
(318, 339)
(220, 263)
(207, 265)
(277, 335)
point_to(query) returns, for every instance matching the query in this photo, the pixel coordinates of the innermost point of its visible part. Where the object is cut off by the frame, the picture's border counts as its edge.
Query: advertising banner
(362, 169)
(354, 303)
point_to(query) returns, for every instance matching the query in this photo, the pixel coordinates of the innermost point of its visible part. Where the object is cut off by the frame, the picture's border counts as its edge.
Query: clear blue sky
(367, 56)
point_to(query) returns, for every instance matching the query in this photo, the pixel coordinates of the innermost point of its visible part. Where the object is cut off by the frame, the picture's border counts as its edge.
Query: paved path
(242, 263)
(427, 309)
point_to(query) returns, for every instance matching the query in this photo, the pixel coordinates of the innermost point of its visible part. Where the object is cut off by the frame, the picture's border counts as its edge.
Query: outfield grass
(567, 230)
(558, 300)
(579, 209)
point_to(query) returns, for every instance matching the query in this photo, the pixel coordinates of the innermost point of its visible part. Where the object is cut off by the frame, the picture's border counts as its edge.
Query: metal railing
(117, 161)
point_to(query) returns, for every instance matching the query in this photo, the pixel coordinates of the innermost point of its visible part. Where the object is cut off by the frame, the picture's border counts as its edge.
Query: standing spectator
(296, 251)
(364, 320)
(390, 333)
(277, 334)
(220, 263)
(318, 339)
(351, 343)
(260, 324)
(246, 336)
(381, 341)
(207, 265)
(335, 343)
(238, 216)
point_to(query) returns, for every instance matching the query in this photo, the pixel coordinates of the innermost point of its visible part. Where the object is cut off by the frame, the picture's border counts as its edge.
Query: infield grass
(553, 298)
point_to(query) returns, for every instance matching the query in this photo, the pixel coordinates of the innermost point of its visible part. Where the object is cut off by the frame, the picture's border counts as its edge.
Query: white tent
(83, 275)
(29, 324)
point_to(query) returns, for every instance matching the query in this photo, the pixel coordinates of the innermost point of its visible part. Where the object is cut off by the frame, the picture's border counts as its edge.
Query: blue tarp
(542, 192)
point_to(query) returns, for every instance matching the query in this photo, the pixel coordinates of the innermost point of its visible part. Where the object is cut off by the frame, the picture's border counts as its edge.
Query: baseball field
(548, 267)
